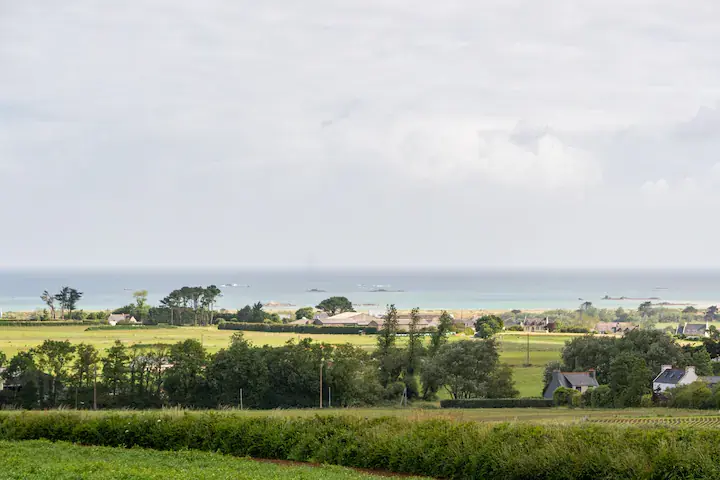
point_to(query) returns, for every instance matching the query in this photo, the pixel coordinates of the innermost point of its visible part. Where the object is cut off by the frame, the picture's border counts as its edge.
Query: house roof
(118, 317)
(712, 380)
(694, 329)
(579, 379)
(671, 376)
(535, 322)
(344, 316)
(614, 326)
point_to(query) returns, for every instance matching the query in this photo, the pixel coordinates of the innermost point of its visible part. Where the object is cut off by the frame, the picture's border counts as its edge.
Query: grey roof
(534, 322)
(694, 329)
(579, 379)
(712, 380)
(670, 376)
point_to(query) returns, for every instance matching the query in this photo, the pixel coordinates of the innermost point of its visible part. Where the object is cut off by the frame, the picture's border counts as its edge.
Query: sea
(373, 290)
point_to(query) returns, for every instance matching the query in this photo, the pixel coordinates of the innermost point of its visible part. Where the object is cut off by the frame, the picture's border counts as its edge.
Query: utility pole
(527, 356)
(329, 398)
(321, 387)
(241, 399)
(95, 389)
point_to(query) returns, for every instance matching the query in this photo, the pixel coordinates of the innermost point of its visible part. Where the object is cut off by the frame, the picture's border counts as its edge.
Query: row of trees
(67, 299)
(185, 374)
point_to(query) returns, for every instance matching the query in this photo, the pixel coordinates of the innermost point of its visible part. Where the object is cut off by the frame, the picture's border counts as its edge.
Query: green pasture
(513, 346)
(43, 460)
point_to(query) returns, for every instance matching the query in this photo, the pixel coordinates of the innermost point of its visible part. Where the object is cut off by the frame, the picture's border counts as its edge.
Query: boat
(315, 290)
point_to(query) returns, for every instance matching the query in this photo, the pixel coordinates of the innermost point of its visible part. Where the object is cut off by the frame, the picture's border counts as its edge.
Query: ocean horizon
(373, 289)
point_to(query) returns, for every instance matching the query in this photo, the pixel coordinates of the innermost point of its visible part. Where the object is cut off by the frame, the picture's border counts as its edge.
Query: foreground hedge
(497, 403)
(271, 327)
(438, 448)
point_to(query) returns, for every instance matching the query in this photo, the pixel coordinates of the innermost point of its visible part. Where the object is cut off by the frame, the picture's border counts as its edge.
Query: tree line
(67, 299)
(184, 374)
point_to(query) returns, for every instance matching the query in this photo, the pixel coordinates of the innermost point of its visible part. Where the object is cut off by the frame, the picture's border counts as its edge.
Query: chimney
(665, 367)
(591, 372)
(690, 370)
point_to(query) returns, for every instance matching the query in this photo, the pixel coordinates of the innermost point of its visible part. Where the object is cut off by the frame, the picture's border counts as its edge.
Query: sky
(361, 133)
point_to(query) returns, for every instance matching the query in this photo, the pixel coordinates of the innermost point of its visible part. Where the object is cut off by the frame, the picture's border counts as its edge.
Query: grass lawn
(43, 460)
(513, 347)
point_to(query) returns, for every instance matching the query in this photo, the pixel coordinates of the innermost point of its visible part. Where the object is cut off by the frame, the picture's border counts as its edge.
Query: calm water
(20, 290)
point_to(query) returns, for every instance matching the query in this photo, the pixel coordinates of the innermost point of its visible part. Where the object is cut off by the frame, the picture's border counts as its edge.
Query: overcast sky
(359, 133)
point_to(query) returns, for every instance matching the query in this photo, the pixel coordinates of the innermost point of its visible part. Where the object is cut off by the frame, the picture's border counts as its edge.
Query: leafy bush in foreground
(438, 448)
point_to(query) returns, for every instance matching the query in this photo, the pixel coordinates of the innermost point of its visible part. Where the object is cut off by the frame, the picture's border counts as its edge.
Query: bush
(514, 328)
(646, 401)
(572, 330)
(694, 395)
(566, 397)
(265, 327)
(497, 403)
(601, 397)
(436, 448)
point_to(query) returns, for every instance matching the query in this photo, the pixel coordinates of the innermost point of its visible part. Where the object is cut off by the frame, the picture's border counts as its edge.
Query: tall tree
(629, 376)
(209, 298)
(141, 306)
(389, 356)
(116, 367)
(184, 381)
(439, 336)
(305, 312)
(711, 313)
(53, 357)
(334, 305)
(49, 300)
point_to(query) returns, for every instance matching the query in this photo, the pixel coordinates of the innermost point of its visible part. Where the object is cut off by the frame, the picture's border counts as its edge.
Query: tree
(258, 314)
(68, 299)
(711, 313)
(53, 357)
(694, 395)
(415, 344)
(487, 326)
(238, 375)
(645, 309)
(334, 305)
(209, 297)
(22, 370)
(49, 300)
(305, 312)
(141, 306)
(439, 336)
(629, 379)
(116, 367)
(388, 355)
(690, 310)
(700, 358)
(471, 369)
(184, 381)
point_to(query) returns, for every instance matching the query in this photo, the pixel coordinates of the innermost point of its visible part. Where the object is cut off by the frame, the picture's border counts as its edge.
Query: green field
(543, 348)
(59, 461)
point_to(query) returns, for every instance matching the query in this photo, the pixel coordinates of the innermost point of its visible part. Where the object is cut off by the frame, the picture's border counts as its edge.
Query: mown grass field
(43, 460)
(513, 346)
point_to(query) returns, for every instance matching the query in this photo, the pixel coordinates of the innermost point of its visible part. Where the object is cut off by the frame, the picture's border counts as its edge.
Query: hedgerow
(437, 448)
(270, 327)
(497, 403)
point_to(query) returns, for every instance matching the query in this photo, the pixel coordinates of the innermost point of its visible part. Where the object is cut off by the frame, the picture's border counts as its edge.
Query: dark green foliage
(629, 379)
(566, 397)
(600, 397)
(266, 327)
(436, 448)
(305, 312)
(497, 403)
(694, 395)
(488, 325)
(334, 305)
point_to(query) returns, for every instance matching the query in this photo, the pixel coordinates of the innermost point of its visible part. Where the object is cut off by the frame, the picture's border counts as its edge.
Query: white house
(670, 377)
(121, 318)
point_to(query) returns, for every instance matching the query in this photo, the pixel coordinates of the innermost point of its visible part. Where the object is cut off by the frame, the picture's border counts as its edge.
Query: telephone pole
(95, 388)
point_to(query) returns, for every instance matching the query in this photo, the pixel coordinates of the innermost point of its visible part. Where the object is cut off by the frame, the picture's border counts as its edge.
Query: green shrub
(566, 397)
(514, 328)
(694, 395)
(266, 327)
(437, 448)
(647, 401)
(497, 403)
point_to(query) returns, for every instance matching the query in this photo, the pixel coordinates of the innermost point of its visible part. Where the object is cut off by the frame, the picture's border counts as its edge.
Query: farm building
(121, 318)
(694, 329)
(614, 327)
(534, 325)
(347, 319)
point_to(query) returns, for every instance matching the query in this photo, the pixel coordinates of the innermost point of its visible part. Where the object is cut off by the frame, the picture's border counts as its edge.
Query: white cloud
(657, 187)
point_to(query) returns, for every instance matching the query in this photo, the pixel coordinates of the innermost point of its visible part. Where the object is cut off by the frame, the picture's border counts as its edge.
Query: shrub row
(19, 323)
(438, 448)
(497, 403)
(270, 327)
(130, 327)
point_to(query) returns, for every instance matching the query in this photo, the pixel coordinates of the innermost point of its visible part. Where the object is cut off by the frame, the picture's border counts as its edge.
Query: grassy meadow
(43, 460)
(513, 346)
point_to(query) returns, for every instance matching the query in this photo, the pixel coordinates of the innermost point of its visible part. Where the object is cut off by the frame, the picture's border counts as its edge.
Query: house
(579, 381)
(614, 327)
(538, 325)
(694, 329)
(347, 319)
(321, 316)
(670, 377)
(120, 318)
